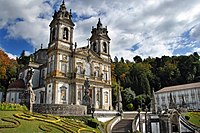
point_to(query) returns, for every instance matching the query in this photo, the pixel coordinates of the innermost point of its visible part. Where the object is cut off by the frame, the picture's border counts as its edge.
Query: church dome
(17, 84)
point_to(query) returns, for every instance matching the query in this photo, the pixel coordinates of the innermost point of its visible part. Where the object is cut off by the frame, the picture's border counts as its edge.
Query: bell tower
(61, 27)
(58, 87)
(100, 41)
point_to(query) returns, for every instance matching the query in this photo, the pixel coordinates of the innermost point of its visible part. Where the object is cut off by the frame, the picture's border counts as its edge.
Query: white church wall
(36, 78)
(105, 99)
(63, 93)
(38, 94)
(49, 93)
(191, 97)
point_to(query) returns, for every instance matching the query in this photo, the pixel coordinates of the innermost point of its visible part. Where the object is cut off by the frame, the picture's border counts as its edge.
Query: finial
(99, 24)
(70, 11)
(62, 6)
(41, 45)
(75, 46)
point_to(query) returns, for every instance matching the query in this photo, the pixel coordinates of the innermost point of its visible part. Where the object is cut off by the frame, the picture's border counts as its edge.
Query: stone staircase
(124, 126)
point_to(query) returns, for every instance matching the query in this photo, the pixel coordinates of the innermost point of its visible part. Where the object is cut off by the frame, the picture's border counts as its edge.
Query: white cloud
(11, 56)
(155, 25)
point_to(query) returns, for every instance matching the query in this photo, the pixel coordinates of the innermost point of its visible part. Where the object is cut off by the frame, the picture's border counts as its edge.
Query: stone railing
(135, 124)
(112, 123)
(60, 109)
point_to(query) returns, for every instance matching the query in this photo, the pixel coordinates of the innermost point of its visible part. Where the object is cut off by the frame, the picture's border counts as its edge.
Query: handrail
(188, 124)
(135, 123)
(112, 123)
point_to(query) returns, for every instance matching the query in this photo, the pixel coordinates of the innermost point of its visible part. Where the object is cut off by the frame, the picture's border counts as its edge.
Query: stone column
(75, 94)
(94, 97)
(101, 100)
(110, 100)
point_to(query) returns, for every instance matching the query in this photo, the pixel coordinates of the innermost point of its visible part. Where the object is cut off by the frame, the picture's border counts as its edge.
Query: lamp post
(139, 110)
(146, 109)
(93, 109)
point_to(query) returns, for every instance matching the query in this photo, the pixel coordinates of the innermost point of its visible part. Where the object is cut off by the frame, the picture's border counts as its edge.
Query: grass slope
(26, 122)
(194, 118)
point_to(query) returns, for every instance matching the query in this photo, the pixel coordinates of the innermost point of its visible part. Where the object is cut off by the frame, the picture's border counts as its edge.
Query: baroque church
(61, 70)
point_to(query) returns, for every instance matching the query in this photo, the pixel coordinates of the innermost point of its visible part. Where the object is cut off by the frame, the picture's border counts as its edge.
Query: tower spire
(62, 6)
(99, 24)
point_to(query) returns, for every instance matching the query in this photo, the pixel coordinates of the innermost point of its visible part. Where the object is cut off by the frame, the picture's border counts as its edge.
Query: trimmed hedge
(94, 123)
(15, 122)
(12, 107)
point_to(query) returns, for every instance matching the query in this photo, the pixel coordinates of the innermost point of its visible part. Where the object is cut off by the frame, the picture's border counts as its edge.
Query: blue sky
(140, 27)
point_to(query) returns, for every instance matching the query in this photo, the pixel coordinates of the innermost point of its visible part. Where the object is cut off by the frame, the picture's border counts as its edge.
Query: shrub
(12, 107)
(130, 107)
(94, 123)
(187, 117)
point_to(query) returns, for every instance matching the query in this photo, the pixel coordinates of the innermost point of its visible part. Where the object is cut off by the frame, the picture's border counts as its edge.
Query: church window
(97, 96)
(51, 66)
(163, 99)
(97, 73)
(63, 92)
(186, 98)
(63, 67)
(20, 95)
(79, 70)
(88, 69)
(104, 47)
(105, 76)
(41, 96)
(53, 34)
(79, 94)
(106, 97)
(94, 47)
(65, 33)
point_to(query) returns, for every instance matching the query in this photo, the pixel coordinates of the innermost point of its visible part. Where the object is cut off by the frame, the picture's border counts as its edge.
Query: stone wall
(60, 109)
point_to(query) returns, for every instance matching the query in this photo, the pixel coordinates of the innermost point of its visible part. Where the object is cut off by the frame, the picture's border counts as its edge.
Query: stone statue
(153, 103)
(172, 104)
(30, 96)
(184, 105)
(119, 106)
(86, 97)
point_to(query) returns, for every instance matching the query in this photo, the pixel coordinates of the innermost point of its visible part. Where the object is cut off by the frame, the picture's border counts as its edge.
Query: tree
(127, 97)
(7, 70)
(138, 75)
(137, 59)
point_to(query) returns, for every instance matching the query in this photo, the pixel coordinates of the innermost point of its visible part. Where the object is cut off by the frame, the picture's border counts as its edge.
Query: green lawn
(25, 122)
(194, 118)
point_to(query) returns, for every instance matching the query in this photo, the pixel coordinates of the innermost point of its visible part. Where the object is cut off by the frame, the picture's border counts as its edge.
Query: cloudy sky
(136, 27)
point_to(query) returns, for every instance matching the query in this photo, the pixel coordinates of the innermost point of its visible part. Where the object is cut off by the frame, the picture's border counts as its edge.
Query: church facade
(61, 70)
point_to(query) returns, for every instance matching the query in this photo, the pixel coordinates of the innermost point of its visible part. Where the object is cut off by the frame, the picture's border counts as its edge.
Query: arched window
(88, 69)
(104, 47)
(63, 93)
(95, 47)
(79, 70)
(41, 96)
(53, 34)
(65, 33)
(106, 97)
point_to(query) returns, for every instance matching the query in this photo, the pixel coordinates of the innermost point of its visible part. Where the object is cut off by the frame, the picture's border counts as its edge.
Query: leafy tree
(137, 59)
(138, 75)
(7, 70)
(127, 96)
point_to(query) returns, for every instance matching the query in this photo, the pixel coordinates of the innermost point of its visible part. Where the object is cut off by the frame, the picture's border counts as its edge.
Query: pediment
(89, 54)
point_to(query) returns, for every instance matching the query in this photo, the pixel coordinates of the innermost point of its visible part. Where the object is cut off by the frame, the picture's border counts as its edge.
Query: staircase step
(124, 126)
